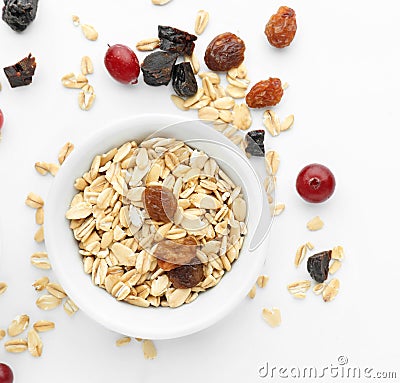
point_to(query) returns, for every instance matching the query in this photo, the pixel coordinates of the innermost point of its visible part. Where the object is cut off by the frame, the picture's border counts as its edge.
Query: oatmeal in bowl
(157, 222)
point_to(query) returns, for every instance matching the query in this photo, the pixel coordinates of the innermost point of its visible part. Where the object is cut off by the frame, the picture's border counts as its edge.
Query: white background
(343, 71)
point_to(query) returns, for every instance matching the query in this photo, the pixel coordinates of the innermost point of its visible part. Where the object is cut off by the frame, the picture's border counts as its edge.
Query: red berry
(315, 183)
(6, 374)
(1, 119)
(122, 64)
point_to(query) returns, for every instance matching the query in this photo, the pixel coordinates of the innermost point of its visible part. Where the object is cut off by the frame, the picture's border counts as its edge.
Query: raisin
(21, 73)
(225, 51)
(160, 203)
(265, 93)
(18, 14)
(172, 254)
(183, 80)
(255, 143)
(318, 266)
(281, 27)
(176, 41)
(187, 276)
(157, 68)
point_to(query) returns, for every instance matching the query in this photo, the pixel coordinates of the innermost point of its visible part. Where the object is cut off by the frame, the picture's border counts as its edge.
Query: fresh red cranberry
(6, 374)
(1, 119)
(122, 64)
(315, 183)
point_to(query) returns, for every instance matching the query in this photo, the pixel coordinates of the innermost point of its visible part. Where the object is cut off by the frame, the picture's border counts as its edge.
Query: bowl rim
(197, 324)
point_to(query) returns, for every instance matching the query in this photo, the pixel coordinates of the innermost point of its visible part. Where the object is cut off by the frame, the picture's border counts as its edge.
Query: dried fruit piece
(265, 93)
(176, 41)
(183, 80)
(281, 27)
(255, 143)
(122, 64)
(20, 74)
(18, 14)
(318, 266)
(187, 276)
(160, 203)
(157, 68)
(171, 254)
(225, 51)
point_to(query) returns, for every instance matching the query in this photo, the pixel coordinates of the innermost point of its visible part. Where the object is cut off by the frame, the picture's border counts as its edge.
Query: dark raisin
(172, 254)
(187, 276)
(157, 68)
(18, 14)
(183, 80)
(255, 143)
(265, 93)
(225, 51)
(318, 265)
(160, 203)
(21, 73)
(281, 27)
(175, 40)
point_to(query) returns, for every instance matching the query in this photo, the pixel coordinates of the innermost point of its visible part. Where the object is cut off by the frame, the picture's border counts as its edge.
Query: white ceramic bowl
(155, 323)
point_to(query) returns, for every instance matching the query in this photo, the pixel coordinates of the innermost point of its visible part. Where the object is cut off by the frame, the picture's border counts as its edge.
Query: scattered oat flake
(148, 44)
(75, 20)
(48, 302)
(89, 32)
(310, 246)
(330, 291)
(123, 341)
(2, 334)
(16, 345)
(279, 208)
(160, 2)
(201, 22)
(287, 123)
(335, 266)
(18, 325)
(3, 287)
(300, 254)
(34, 201)
(262, 281)
(40, 284)
(70, 307)
(272, 162)
(39, 235)
(252, 292)
(299, 287)
(315, 224)
(272, 316)
(338, 253)
(43, 326)
(35, 345)
(319, 288)
(149, 350)
(299, 295)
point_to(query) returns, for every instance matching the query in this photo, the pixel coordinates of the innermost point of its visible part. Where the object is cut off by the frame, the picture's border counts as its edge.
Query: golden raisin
(281, 27)
(225, 51)
(172, 254)
(160, 203)
(265, 93)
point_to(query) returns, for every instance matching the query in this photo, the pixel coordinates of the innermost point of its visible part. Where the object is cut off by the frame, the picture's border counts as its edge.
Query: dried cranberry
(281, 27)
(176, 41)
(6, 374)
(265, 93)
(183, 80)
(225, 51)
(157, 68)
(318, 266)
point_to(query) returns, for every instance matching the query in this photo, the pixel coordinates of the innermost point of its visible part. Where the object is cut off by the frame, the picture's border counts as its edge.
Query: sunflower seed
(262, 281)
(241, 116)
(35, 344)
(148, 44)
(18, 325)
(201, 22)
(272, 316)
(315, 224)
(34, 201)
(179, 102)
(89, 32)
(335, 266)
(40, 284)
(40, 260)
(16, 345)
(39, 235)
(3, 287)
(331, 290)
(287, 123)
(48, 302)
(252, 292)
(271, 122)
(123, 341)
(56, 290)
(70, 307)
(300, 254)
(338, 253)
(43, 325)
(272, 162)
(149, 350)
